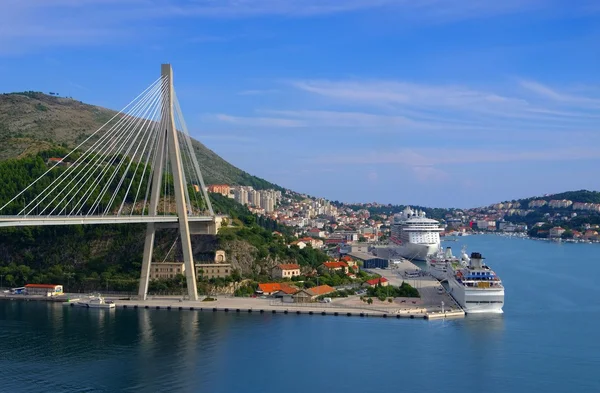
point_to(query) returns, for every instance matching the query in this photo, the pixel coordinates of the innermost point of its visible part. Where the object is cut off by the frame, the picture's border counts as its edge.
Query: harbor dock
(254, 305)
(433, 303)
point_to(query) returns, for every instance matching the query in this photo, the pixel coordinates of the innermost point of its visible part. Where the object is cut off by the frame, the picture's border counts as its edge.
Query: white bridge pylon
(139, 167)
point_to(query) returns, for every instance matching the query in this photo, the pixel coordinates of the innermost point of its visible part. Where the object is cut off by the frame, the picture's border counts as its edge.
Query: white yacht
(95, 301)
(475, 286)
(413, 236)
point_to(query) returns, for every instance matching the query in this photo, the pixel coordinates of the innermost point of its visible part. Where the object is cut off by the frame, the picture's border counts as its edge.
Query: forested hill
(31, 122)
(583, 196)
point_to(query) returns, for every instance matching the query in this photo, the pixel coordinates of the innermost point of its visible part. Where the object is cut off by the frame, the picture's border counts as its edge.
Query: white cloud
(397, 93)
(458, 107)
(259, 121)
(432, 157)
(563, 98)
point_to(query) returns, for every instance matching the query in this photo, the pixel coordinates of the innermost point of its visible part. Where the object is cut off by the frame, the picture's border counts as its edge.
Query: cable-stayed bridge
(139, 167)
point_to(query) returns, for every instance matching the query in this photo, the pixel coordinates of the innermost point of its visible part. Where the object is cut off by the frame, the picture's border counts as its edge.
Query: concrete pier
(254, 305)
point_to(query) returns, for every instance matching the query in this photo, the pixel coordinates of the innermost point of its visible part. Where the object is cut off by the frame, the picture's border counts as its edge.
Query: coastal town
(321, 223)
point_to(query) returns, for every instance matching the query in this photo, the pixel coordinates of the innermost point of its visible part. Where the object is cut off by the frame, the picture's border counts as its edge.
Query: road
(425, 284)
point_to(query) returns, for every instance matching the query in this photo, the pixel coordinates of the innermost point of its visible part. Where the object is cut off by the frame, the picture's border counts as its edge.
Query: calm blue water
(547, 340)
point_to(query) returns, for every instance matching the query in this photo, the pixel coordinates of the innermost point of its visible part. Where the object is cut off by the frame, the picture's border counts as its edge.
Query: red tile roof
(289, 266)
(335, 265)
(272, 287)
(321, 290)
(41, 286)
(346, 258)
(375, 281)
(288, 289)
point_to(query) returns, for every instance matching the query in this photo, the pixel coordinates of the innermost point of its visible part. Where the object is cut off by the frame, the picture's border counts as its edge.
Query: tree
(568, 234)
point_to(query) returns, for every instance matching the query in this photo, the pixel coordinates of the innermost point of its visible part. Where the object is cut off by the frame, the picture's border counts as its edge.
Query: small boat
(95, 301)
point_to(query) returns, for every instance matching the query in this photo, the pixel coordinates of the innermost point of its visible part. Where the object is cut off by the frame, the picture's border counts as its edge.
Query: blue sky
(432, 102)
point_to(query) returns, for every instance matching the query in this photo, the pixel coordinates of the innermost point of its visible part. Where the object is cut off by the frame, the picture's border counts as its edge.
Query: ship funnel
(448, 253)
(476, 260)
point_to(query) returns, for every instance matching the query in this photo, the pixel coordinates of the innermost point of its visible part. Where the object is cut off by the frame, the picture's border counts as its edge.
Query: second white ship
(413, 236)
(475, 286)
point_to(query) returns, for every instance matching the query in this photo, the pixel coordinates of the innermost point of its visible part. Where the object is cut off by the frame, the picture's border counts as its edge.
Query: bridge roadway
(21, 221)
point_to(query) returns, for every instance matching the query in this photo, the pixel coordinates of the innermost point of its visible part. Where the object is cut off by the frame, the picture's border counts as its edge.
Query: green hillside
(31, 122)
(584, 196)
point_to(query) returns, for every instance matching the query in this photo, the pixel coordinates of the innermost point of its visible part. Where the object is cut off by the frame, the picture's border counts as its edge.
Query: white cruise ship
(475, 286)
(413, 236)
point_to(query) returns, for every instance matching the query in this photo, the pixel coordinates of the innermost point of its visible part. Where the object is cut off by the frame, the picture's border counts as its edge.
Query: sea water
(546, 341)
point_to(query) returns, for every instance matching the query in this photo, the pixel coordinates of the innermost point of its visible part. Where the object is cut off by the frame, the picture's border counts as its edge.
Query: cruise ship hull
(476, 300)
(413, 251)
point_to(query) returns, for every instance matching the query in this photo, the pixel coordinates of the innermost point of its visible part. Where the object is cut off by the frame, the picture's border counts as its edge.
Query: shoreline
(254, 305)
(455, 238)
(430, 305)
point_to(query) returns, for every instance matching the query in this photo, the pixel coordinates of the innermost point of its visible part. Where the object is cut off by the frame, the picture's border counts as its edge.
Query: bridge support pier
(169, 138)
(147, 260)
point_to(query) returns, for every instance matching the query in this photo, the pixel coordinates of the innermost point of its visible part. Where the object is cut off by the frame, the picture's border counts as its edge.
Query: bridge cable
(65, 175)
(145, 135)
(132, 136)
(153, 146)
(110, 155)
(78, 146)
(91, 165)
(192, 154)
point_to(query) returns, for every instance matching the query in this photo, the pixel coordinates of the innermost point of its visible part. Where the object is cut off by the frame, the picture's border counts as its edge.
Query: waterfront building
(311, 294)
(286, 270)
(165, 270)
(168, 270)
(213, 270)
(556, 232)
(358, 247)
(44, 289)
(370, 261)
(272, 288)
(217, 269)
(486, 225)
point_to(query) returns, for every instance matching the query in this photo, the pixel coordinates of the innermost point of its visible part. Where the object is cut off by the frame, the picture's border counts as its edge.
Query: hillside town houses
(320, 223)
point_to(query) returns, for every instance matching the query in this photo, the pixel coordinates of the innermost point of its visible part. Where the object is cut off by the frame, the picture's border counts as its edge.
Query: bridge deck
(20, 221)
